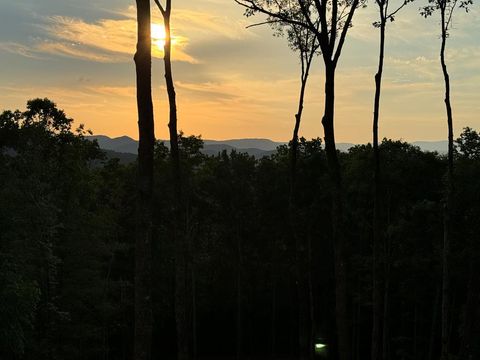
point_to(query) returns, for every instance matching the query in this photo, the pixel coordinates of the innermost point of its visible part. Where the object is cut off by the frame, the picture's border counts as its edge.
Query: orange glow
(158, 36)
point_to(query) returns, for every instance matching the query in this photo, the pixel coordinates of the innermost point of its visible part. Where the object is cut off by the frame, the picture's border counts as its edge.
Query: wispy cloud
(110, 39)
(107, 40)
(75, 50)
(19, 49)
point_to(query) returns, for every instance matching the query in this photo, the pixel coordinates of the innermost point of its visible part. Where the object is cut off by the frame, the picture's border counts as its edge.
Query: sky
(234, 82)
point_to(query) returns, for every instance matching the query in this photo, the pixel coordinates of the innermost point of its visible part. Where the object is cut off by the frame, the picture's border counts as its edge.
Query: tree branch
(264, 23)
(345, 30)
(160, 7)
(249, 4)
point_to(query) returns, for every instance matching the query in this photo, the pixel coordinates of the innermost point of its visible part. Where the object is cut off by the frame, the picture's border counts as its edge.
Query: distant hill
(258, 144)
(125, 148)
(254, 147)
(439, 146)
(122, 144)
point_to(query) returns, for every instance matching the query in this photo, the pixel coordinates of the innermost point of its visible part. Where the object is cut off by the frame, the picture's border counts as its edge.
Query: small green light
(319, 346)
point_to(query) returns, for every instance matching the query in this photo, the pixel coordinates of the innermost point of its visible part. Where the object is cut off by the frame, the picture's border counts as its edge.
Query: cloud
(75, 50)
(213, 24)
(110, 40)
(107, 40)
(19, 49)
(210, 25)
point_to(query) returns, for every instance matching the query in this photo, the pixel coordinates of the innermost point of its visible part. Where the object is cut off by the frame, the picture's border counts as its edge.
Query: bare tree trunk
(182, 315)
(306, 65)
(301, 289)
(304, 330)
(341, 299)
(448, 198)
(143, 246)
(377, 228)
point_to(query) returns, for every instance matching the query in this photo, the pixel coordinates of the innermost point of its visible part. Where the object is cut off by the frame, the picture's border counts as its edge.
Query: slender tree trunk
(386, 295)
(301, 288)
(306, 65)
(377, 227)
(304, 330)
(179, 222)
(448, 199)
(143, 246)
(341, 297)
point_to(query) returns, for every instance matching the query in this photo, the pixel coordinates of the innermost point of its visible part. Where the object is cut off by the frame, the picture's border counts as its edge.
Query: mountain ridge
(257, 147)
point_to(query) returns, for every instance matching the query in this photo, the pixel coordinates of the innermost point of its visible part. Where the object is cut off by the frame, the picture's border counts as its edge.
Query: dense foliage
(67, 243)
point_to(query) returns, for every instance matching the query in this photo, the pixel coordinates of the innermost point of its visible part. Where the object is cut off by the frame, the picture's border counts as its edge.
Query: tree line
(260, 279)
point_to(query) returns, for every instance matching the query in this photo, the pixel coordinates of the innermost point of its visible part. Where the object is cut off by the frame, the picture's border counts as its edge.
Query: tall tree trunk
(143, 246)
(306, 65)
(304, 330)
(341, 299)
(447, 231)
(179, 214)
(377, 227)
(386, 286)
(302, 323)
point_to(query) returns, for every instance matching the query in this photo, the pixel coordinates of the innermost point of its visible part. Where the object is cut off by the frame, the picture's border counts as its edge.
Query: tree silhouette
(378, 241)
(302, 41)
(179, 213)
(335, 18)
(143, 248)
(446, 9)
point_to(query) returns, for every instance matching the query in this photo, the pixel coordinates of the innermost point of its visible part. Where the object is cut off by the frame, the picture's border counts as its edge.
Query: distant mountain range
(125, 148)
(257, 147)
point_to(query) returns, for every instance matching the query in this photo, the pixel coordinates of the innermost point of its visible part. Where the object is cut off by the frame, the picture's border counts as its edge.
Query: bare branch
(249, 4)
(392, 14)
(345, 30)
(160, 7)
(449, 20)
(333, 35)
(264, 23)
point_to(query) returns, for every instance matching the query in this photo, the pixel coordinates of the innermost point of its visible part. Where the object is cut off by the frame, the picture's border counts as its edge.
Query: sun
(158, 36)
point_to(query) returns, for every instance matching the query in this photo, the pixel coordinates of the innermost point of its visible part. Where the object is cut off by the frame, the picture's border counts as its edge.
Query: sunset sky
(233, 82)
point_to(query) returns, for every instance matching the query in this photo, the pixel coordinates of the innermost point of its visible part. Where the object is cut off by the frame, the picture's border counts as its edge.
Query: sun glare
(158, 36)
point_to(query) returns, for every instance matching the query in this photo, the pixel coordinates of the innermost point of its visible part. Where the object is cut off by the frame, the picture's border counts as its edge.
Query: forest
(311, 252)
(259, 279)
